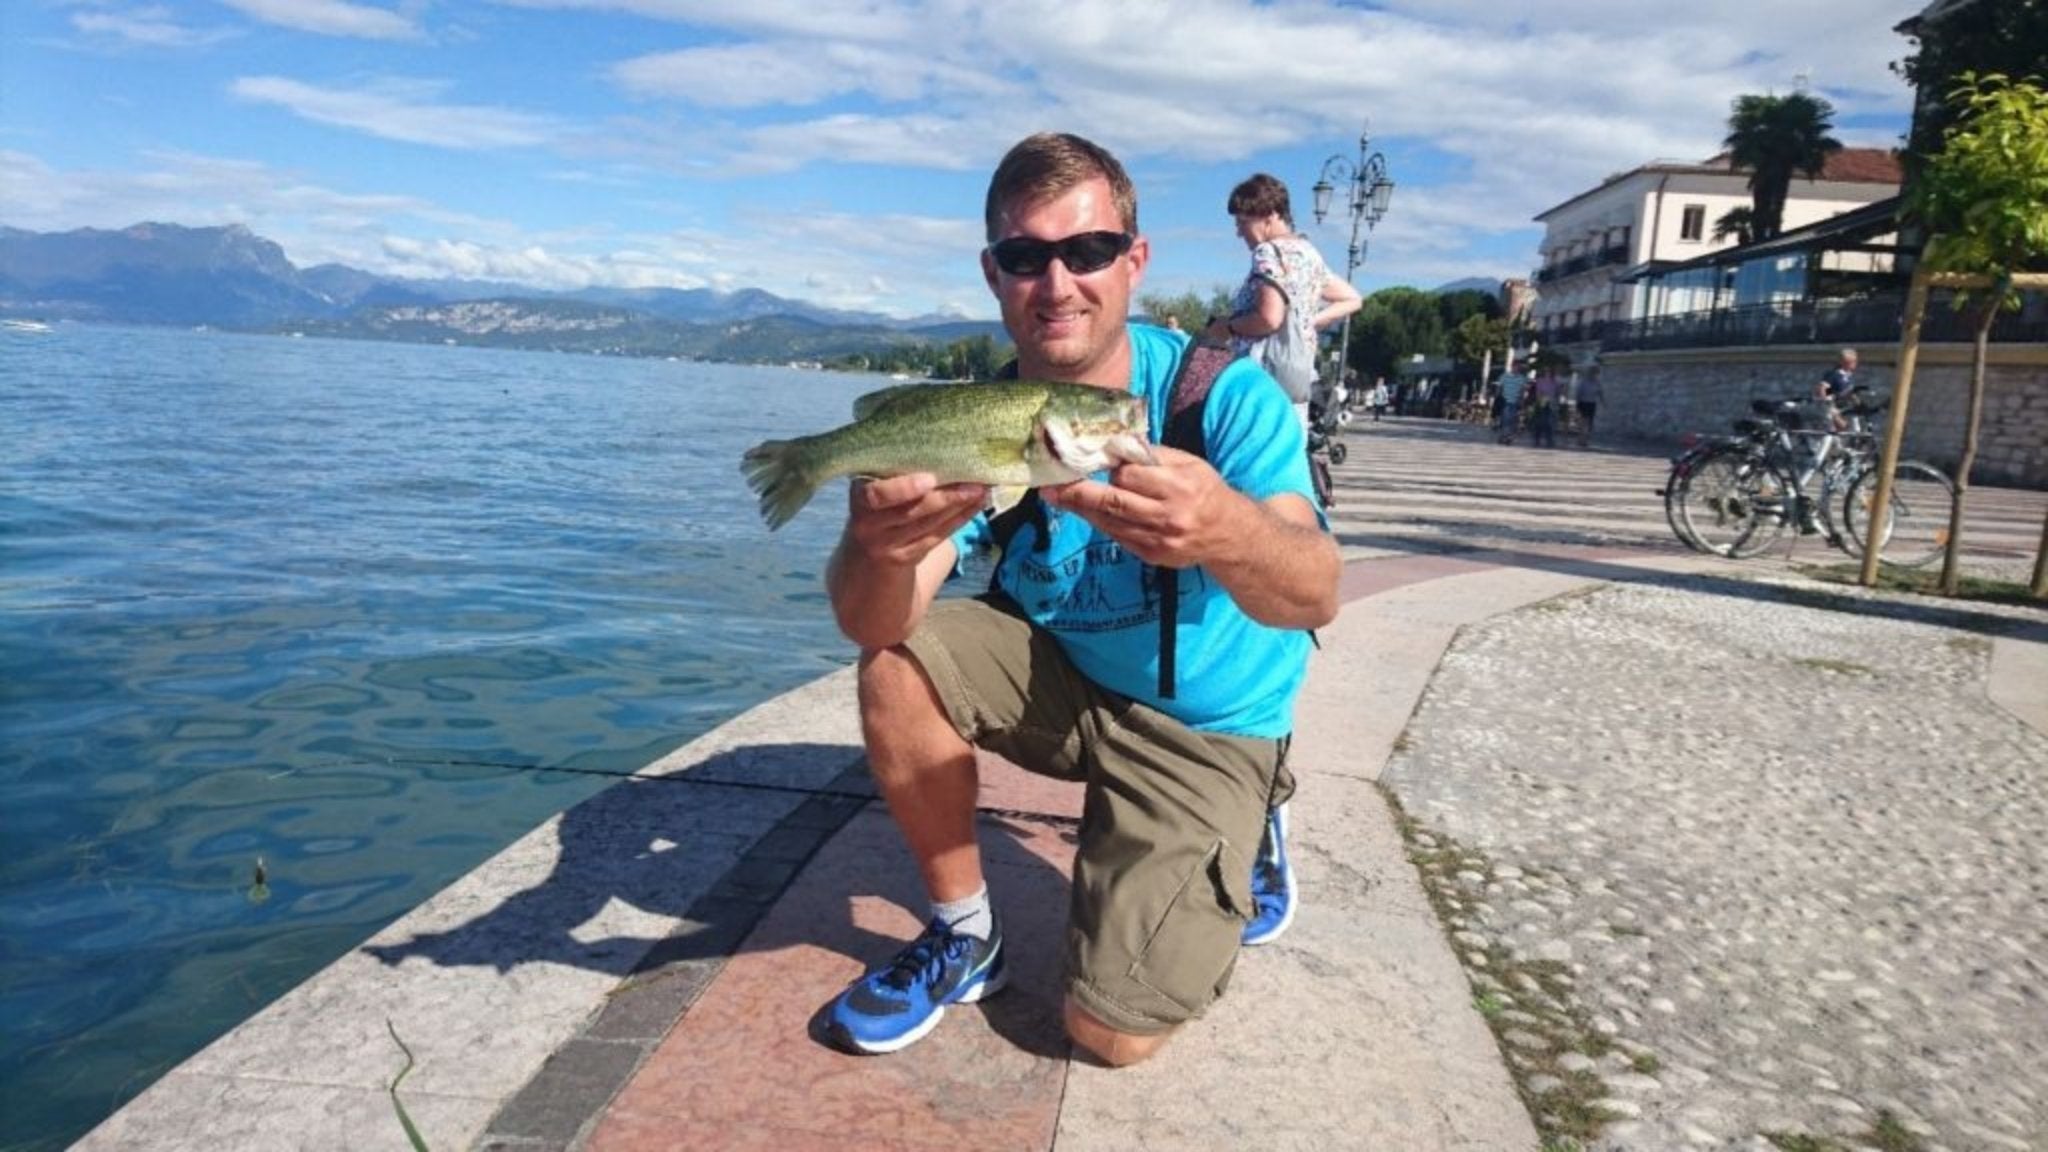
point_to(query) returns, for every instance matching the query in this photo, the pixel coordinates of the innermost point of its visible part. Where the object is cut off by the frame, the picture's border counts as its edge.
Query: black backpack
(1199, 367)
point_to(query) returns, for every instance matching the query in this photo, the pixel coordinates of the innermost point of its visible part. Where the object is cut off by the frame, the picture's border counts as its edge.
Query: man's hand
(1166, 513)
(898, 520)
(1272, 556)
(893, 553)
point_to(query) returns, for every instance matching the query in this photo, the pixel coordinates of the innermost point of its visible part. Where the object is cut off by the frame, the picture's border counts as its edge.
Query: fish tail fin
(775, 471)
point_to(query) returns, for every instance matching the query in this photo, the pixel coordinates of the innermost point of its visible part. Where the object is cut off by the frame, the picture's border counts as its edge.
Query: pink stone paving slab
(1370, 578)
(1360, 580)
(744, 1067)
(1008, 788)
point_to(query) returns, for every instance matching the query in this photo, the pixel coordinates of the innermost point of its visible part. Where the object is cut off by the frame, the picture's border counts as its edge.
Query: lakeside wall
(1662, 395)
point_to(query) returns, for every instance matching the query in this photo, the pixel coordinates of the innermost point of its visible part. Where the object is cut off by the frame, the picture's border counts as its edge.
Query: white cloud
(149, 27)
(1488, 114)
(872, 21)
(1533, 109)
(796, 73)
(315, 224)
(403, 110)
(329, 18)
(834, 259)
(924, 142)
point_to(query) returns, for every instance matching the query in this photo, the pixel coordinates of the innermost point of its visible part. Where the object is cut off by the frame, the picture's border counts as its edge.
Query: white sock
(971, 916)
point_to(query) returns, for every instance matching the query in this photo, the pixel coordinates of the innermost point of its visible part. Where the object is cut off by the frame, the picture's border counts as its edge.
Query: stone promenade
(1604, 844)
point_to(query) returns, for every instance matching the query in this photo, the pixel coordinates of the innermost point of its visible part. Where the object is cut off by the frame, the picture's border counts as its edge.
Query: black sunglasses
(1082, 253)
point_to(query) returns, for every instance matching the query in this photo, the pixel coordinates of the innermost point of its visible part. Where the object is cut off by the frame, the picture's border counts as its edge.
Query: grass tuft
(1838, 667)
(1924, 582)
(412, 1132)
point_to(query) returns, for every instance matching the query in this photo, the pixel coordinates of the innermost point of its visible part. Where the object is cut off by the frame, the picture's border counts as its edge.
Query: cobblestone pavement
(1731, 856)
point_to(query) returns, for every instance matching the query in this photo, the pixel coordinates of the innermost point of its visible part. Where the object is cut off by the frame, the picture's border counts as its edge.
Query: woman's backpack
(1289, 353)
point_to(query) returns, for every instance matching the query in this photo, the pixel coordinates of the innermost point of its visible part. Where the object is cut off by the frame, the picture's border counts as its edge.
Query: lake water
(365, 613)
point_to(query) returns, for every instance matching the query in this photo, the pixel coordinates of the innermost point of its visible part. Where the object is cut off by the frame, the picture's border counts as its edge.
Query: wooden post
(2039, 588)
(1877, 519)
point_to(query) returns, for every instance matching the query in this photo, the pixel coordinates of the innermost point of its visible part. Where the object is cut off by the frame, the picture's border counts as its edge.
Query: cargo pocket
(1188, 956)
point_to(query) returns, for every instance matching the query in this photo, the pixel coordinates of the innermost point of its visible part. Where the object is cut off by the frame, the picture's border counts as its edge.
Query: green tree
(2007, 37)
(1984, 202)
(1478, 335)
(1392, 325)
(1777, 138)
(1190, 309)
(1736, 222)
(1454, 307)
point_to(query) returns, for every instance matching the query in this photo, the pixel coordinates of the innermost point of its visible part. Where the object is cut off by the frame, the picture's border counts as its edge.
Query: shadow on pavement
(643, 842)
(1891, 606)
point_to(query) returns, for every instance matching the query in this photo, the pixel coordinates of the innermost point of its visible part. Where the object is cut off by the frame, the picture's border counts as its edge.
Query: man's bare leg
(924, 770)
(1106, 1044)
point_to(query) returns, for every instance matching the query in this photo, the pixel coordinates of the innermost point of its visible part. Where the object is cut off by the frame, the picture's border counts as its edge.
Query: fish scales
(959, 432)
(1009, 433)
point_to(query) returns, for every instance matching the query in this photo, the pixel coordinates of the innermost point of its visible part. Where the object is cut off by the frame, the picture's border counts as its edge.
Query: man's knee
(892, 686)
(883, 669)
(903, 722)
(1108, 1045)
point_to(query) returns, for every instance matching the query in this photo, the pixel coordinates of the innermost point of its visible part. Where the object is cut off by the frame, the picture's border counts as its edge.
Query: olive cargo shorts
(1171, 818)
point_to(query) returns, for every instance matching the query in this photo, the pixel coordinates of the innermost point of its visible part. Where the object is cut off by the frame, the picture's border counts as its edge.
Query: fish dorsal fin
(873, 402)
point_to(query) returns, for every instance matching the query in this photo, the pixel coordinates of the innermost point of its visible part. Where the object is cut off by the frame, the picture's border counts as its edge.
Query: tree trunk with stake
(2039, 589)
(1980, 355)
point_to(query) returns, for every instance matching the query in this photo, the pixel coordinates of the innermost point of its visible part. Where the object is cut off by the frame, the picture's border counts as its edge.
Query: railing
(1580, 333)
(1873, 319)
(1606, 257)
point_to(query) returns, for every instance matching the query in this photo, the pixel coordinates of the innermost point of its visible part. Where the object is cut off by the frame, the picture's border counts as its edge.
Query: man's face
(1069, 327)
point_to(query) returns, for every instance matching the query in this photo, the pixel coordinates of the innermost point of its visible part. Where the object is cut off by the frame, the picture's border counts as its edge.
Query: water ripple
(290, 601)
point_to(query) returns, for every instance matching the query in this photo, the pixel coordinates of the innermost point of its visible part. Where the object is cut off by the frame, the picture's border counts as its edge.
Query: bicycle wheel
(1319, 475)
(1915, 531)
(1733, 503)
(1673, 492)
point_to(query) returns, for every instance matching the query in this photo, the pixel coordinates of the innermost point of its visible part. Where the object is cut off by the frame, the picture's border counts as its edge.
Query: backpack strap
(1199, 367)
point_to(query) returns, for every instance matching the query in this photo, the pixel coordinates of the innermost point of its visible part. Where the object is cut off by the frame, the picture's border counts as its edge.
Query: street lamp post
(1370, 188)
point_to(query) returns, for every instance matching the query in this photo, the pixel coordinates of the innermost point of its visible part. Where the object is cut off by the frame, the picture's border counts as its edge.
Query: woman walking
(1289, 294)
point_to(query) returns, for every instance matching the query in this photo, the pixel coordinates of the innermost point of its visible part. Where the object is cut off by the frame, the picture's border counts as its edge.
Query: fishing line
(678, 778)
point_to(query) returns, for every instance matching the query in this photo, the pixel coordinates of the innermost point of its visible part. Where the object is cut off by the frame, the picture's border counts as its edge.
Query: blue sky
(838, 152)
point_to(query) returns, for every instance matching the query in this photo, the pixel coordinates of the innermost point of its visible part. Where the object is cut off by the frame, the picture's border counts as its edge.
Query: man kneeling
(1181, 857)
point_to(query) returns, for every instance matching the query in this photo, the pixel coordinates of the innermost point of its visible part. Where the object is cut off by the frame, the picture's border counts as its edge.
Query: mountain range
(229, 277)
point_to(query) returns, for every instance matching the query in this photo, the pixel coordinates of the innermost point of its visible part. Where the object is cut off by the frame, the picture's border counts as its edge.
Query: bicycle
(1324, 449)
(1735, 496)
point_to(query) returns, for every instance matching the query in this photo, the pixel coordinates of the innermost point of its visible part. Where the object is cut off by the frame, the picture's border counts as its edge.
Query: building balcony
(1871, 319)
(1609, 257)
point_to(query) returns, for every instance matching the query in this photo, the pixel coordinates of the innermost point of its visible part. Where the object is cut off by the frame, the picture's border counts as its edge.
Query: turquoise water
(363, 612)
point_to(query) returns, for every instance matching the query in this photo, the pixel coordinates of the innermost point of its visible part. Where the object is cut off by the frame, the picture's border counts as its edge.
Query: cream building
(1664, 213)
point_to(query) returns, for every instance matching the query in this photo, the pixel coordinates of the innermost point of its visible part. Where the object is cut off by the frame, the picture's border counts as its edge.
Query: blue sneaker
(893, 1006)
(1272, 884)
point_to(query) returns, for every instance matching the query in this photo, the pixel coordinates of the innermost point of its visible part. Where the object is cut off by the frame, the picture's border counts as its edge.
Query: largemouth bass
(1017, 433)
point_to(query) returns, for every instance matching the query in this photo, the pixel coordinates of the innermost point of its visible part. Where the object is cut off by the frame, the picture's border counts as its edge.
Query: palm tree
(1736, 222)
(1777, 138)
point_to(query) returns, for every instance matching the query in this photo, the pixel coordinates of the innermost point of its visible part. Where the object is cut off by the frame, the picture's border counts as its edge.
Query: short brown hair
(1261, 195)
(1044, 165)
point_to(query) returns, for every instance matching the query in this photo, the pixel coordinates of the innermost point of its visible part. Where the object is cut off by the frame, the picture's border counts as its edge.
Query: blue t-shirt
(1232, 674)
